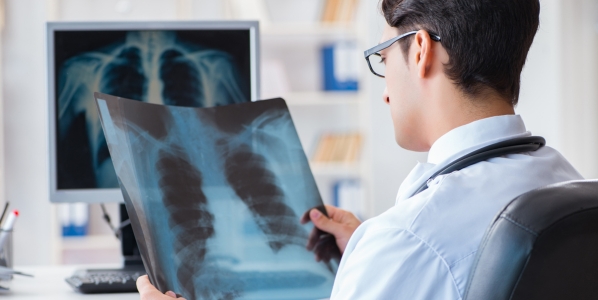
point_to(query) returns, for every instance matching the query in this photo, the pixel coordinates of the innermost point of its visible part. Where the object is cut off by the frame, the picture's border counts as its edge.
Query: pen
(7, 227)
(4, 212)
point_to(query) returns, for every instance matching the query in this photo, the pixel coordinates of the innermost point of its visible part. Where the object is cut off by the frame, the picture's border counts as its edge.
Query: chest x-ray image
(215, 196)
(200, 68)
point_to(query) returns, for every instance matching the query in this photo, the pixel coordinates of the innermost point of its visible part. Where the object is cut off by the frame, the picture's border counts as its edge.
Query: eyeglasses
(378, 68)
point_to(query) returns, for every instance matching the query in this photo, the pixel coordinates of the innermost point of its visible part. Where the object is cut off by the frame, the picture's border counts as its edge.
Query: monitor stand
(128, 244)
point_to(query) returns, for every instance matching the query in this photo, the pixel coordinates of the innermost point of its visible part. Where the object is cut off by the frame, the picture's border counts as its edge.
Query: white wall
(25, 130)
(539, 100)
(579, 77)
(2, 167)
(559, 92)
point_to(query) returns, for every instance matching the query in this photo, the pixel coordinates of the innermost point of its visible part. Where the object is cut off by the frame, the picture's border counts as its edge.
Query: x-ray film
(215, 196)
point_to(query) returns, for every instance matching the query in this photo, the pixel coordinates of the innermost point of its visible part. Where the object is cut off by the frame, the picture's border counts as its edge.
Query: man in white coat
(452, 82)
(452, 71)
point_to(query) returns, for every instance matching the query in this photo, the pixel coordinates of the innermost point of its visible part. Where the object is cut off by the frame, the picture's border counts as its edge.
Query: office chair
(542, 245)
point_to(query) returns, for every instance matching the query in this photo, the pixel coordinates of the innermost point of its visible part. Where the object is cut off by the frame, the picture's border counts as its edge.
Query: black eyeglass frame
(374, 50)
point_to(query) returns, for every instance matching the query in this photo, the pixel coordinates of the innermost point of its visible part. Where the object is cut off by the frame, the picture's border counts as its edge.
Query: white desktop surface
(48, 283)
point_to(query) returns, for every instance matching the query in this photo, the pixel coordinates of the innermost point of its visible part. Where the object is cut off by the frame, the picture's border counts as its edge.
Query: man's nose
(385, 96)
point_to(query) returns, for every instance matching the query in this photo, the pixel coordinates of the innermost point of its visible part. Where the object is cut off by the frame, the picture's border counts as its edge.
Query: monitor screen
(199, 64)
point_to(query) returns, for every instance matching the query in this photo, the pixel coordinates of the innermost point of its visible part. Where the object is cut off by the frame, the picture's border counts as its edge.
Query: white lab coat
(424, 246)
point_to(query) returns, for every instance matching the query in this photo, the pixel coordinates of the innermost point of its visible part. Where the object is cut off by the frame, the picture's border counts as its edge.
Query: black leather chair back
(542, 245)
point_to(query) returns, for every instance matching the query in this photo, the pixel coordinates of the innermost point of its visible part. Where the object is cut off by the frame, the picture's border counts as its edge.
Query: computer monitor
(191, 63)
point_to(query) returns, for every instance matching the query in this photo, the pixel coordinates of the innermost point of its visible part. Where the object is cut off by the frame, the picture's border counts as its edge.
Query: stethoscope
(511, 146)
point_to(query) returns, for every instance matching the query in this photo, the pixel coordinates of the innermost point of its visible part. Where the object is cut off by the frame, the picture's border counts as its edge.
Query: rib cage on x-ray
(264, 198)
(150, 66)
(193, 221)
(181, 181)
(210, 173)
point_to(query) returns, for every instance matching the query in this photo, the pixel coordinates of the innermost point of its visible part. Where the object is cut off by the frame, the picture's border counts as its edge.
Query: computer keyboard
(123, 280)
(106, 281)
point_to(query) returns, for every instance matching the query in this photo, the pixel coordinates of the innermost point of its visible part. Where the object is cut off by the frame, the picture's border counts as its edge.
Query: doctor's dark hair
(487, 40)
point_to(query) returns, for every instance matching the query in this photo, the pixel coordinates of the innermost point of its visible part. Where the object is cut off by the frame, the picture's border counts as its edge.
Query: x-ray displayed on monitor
(199, 68)
(215, 196)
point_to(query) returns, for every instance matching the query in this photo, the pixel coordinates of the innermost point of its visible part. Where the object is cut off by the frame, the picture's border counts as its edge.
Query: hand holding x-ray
(149, 292)
(331, 233)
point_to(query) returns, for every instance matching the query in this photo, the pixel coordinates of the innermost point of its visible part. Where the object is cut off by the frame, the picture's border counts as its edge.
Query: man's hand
(149, 292)
(341, 225)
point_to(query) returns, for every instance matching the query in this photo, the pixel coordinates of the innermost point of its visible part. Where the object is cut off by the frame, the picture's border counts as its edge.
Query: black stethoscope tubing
(511, 146)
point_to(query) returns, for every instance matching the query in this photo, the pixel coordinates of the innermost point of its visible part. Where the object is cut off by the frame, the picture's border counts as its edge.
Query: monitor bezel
(104, 195)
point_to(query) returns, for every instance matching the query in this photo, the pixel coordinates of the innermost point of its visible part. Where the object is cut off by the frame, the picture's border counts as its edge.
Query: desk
(49, 284)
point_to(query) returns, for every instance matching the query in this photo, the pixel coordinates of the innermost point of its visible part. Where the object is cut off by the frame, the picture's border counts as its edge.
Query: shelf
(307, 29)
(90, 242)
(322, 98)
(335, 169)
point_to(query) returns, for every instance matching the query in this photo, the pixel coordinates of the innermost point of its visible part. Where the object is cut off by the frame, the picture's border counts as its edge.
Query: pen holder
(6, 250)
(6, 257)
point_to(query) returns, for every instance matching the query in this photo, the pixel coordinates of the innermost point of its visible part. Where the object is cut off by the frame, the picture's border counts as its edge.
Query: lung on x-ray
(200, 68)
(215, 196)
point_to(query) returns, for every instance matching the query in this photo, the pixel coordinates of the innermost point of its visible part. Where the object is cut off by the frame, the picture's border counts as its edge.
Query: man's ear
(424, 55)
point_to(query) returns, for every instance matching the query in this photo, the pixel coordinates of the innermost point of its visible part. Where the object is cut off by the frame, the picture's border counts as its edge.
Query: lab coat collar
(484, 131)
(459, 142)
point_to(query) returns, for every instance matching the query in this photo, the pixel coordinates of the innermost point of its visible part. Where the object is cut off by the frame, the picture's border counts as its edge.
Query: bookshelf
(317, 30)
(296, 46)
(96, 241)
(91, 249)
(318, 98)
(336, 169)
